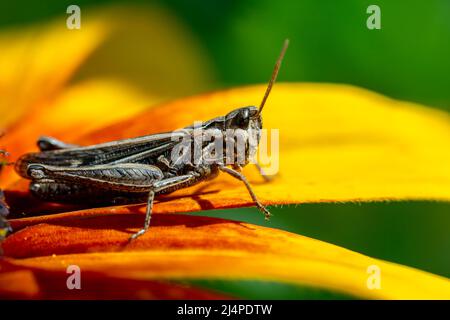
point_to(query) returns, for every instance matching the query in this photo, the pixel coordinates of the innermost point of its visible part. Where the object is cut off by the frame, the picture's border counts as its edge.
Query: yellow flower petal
(337, 143)
(37, 61)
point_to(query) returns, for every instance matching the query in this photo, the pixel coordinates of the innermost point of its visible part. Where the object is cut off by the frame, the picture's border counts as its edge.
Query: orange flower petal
(182, 247)
(25, 283)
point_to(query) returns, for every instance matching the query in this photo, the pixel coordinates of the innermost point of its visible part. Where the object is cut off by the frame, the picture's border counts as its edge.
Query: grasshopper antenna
(274, 75)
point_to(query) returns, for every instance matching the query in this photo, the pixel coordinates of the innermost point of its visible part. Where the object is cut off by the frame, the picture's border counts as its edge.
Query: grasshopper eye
(243, 118)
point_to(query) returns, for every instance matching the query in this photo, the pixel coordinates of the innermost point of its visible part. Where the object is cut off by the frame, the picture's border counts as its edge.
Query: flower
(337, 143)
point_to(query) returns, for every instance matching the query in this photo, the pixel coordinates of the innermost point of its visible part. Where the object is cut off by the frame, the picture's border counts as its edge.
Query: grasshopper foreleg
(242, 178)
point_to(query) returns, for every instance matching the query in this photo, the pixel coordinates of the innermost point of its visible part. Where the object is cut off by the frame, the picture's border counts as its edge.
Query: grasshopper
(138, 169)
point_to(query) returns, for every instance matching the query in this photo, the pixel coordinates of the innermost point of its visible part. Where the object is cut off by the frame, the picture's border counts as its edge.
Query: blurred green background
(409, 58)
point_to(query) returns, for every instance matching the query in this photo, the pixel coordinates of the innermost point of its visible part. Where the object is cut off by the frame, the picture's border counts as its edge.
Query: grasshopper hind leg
(148, 216)
(163, 186)
(59, 191)
(45, 143)
(105, 182)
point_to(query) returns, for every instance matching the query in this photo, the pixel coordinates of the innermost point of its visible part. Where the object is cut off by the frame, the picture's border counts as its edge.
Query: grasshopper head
(245, 125)
(244, 118)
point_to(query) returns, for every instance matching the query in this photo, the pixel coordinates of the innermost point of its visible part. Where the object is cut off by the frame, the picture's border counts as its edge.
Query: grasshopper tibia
(242, 178)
